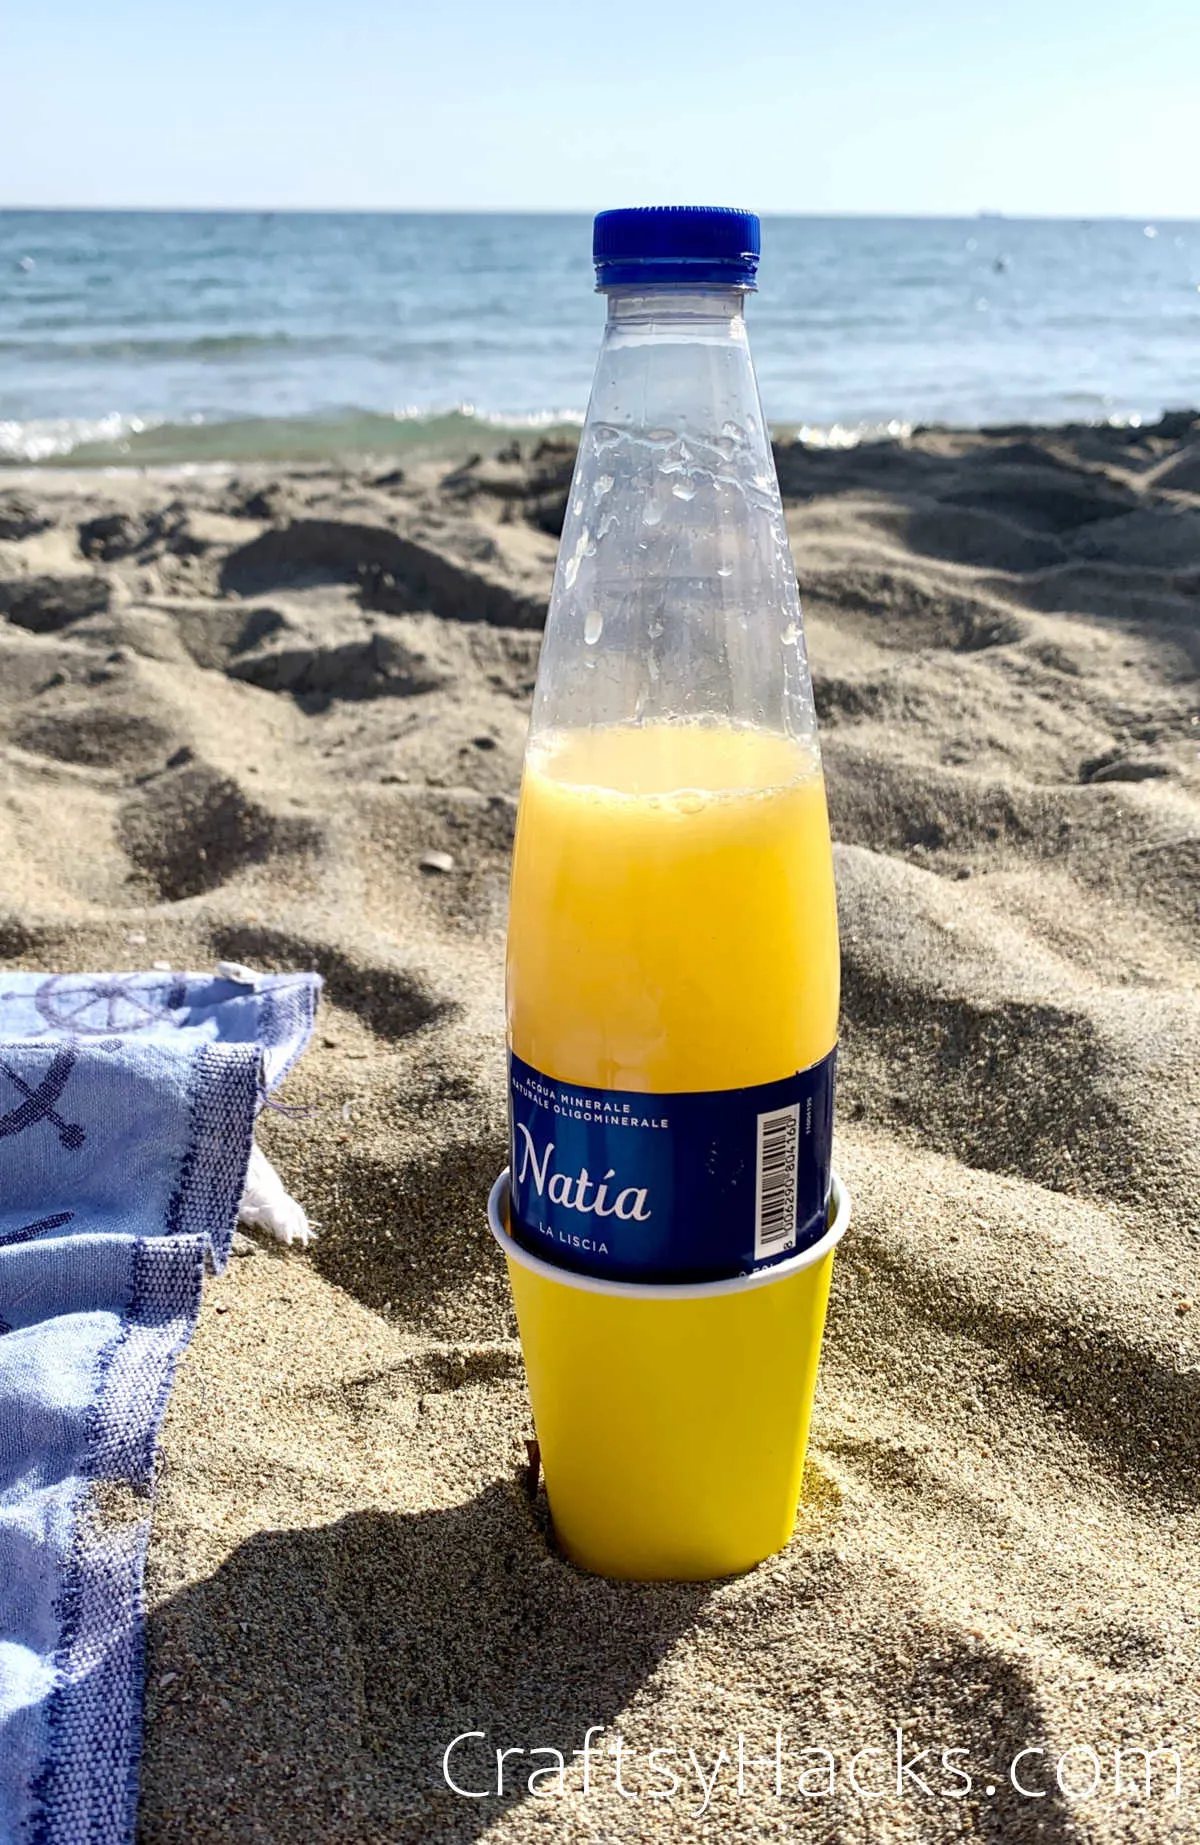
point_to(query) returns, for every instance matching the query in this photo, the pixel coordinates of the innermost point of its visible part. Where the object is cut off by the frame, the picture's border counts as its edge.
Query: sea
(150, 338)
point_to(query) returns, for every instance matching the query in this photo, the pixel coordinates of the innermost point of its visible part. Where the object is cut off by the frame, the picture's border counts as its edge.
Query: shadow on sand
(322, 1673)
(313, 1683)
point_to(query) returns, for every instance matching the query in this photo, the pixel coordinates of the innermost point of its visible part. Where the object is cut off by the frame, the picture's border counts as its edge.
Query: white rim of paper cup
(658, 1290)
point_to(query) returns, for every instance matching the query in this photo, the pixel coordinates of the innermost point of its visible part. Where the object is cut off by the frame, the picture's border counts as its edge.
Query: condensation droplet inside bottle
(724, 570)
(593, 627)
(652, 514)
(684, 490)
(602, 486)
(791, 634)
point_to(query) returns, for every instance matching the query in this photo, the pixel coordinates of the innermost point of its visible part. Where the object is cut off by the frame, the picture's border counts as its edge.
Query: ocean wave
(130, 441)
(412, 430)
(841, 435)
(34, 346)
(43, 439)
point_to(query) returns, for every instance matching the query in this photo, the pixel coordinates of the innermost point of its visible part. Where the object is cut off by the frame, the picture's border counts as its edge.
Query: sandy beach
(278, 718)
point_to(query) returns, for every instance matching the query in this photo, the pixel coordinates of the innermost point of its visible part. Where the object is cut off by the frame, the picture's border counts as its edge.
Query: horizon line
(983, 214)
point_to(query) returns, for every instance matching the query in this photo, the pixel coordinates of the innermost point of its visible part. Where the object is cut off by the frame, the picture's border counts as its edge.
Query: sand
(237, 713)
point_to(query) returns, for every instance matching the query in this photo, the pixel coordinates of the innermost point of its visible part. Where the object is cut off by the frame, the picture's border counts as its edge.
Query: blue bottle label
(695, 1186)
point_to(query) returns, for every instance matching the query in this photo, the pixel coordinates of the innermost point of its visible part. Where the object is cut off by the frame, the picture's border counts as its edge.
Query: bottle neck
(677, 309)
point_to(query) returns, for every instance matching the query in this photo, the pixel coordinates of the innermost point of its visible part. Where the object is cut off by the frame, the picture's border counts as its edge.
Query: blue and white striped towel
(127, 1109)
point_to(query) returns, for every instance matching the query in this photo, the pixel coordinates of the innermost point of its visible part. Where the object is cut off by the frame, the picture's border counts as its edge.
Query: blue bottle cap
(653, 245)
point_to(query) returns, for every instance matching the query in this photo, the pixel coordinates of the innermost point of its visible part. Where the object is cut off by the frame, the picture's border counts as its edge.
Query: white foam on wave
(843, 435)
(58, 439)
(53, 438)
(200, 441)
(492, 419)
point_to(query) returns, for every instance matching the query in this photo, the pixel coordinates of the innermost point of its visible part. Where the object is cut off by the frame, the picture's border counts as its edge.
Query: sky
(1078, 108)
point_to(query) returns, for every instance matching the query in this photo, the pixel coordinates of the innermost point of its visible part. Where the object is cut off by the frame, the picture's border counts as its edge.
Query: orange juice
(673, 922)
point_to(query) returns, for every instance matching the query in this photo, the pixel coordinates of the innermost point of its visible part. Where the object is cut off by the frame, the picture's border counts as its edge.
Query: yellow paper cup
(672, 1420)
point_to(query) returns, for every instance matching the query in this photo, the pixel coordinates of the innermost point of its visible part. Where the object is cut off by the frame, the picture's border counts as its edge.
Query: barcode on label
(775, 1205)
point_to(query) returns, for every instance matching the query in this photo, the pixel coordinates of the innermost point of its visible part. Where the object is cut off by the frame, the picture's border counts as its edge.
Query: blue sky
(1057, 107)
